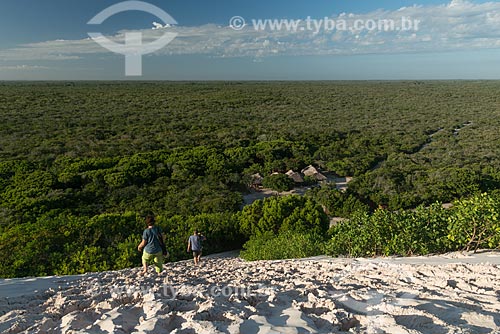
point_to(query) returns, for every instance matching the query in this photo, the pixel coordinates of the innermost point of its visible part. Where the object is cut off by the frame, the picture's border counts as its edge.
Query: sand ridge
(229, 295)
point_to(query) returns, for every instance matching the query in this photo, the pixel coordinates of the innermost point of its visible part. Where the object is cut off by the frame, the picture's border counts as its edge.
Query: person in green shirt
(150, 246)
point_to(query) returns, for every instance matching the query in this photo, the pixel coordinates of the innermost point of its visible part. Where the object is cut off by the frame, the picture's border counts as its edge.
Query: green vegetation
(286, 245)
(82, 163)
(474, 223)
(469, 225)
(280, 214)
(283, 227)
(278, 182)
(421, 231)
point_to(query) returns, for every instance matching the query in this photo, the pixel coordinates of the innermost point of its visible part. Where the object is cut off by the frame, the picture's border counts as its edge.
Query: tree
(279, 214)
(278, 182)
(475, 223)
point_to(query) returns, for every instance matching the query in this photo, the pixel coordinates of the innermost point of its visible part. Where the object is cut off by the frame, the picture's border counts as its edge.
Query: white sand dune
(455, 293)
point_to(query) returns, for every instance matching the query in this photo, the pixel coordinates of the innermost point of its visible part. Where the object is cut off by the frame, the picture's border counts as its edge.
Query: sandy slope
(446, 294)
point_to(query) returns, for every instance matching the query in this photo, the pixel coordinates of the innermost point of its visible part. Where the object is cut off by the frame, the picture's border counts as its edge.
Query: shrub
(285, 245)
(278, 182)
(353, 237)
(126, 255)
(410, 232)
(336, 202)
(280, 214)
(474, 223)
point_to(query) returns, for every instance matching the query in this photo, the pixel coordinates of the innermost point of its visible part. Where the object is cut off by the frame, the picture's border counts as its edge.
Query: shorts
(196, 253)
(157, 259)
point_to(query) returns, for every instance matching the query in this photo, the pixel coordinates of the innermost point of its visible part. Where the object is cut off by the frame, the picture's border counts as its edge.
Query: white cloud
(459, 25)
(23, 68)
(157, 26)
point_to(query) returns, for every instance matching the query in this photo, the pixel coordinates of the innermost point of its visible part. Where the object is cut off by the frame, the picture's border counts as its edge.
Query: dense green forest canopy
(41, 121)
(81, 163)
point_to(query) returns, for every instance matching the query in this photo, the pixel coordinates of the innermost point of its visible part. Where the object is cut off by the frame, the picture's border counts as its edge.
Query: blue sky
(455, 39)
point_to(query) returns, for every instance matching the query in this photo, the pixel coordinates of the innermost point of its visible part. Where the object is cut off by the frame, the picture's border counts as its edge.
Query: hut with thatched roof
(256, 180)
(296, 177)
(311, 171)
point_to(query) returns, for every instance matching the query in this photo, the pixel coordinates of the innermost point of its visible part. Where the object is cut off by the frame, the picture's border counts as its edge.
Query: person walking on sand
(151, 245)
(195, 245)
